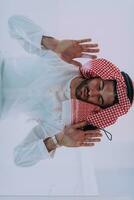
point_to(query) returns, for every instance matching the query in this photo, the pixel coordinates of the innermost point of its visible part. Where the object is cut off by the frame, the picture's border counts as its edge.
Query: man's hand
(68, 50)
(73, 136)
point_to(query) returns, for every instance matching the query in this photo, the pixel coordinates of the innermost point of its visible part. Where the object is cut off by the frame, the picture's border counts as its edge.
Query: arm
(32, 148)
(27, 33)
(33, 40)
(36, 147)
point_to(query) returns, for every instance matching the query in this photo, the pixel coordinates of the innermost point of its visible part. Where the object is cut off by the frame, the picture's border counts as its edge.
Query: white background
(107, 168)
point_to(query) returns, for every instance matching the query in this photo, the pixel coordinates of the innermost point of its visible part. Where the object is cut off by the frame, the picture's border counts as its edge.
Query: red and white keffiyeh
(81, 111)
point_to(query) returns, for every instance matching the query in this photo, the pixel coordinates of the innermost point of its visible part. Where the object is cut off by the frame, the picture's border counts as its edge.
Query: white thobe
(38, 86)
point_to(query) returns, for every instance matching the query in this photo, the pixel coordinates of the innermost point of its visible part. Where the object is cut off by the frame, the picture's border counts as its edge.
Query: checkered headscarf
(82, 111)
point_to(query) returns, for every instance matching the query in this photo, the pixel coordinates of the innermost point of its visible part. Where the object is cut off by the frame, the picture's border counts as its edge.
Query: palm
(71, 49)
(73, 136)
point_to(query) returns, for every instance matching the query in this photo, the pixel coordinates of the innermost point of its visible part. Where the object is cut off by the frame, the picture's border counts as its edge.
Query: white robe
(38, 86)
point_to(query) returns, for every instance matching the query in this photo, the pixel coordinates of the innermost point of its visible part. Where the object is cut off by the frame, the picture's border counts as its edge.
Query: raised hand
(68, 50)
(74, 136)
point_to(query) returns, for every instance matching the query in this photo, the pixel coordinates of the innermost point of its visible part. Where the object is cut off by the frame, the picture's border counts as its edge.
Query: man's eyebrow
(103, 82)
(102, 100)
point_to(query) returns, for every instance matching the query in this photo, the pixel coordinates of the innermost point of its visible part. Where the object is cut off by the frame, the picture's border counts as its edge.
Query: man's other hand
(74, 136)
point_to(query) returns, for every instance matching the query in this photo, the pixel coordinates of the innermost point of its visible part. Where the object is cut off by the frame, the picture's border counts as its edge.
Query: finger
(80, 125)
(84, 55)
(91, 50)
(74, 62)
(87, 144)
(92, 140)
(93, 132)
(91, 135)
(89, 45)
(84, 40)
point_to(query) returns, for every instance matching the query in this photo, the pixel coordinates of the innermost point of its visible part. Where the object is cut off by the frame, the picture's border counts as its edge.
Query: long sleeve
(1, 83)
(32, 149)
(27, 33)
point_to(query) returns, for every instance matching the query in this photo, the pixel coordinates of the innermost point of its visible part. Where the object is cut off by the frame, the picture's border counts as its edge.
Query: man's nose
(93, 93)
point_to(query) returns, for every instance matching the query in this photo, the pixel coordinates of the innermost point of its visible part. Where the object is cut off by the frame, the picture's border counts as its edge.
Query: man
(55, 94)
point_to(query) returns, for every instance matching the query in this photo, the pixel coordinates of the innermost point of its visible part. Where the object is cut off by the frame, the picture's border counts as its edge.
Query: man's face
(96, 91)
